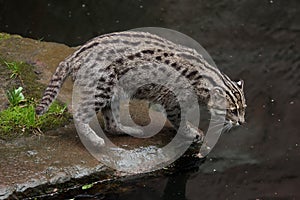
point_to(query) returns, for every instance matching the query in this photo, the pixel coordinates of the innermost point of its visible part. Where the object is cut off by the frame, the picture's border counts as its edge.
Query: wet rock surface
(57, 156)
(45, 159)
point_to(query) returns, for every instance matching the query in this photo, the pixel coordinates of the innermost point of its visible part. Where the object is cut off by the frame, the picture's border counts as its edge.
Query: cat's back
(108, 48)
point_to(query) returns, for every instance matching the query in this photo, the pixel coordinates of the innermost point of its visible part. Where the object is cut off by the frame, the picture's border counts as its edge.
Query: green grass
(22, 120)
(15, 96)
(19, 118)
(4, 36)
(15, 68)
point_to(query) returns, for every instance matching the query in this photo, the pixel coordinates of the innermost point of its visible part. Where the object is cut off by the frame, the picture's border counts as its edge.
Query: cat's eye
(234, 111)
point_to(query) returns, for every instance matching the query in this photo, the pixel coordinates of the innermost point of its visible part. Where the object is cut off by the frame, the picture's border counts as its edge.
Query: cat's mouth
(229, 124)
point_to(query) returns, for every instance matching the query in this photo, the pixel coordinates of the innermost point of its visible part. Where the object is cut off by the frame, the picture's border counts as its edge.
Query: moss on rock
(21, 120)
(4, 36)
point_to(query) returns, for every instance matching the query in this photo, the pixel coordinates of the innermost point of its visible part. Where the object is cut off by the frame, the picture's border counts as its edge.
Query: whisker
(227, 127)
(219, 119)
(216, 120)
(217, 125)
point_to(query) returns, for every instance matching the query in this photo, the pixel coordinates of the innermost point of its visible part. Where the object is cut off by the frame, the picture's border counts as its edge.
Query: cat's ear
(240, 84)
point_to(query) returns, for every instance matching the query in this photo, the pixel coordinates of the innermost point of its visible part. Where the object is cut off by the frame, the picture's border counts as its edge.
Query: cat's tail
(62, 72)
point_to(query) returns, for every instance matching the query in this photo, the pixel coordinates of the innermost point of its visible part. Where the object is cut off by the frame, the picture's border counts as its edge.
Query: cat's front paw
(133, 131)
(97, 141)
(194, 133)
(90, 135)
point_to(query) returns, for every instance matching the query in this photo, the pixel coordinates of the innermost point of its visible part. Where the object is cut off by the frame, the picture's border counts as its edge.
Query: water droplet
(272, 100)
(83, 5)
(141, 6)
(214, 170)
(271, 1)
(291, 102)
(279, 120)
(32, 153)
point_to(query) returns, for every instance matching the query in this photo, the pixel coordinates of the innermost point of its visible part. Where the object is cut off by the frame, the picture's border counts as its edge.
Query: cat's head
(229, 101)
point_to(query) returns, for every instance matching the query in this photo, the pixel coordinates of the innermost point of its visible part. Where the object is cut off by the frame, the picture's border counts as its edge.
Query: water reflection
(171, 186)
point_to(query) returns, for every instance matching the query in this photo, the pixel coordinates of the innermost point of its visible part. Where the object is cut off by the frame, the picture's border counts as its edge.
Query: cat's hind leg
(112, 124)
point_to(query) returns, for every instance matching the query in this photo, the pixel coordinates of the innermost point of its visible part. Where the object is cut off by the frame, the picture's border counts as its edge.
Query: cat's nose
(241, 122)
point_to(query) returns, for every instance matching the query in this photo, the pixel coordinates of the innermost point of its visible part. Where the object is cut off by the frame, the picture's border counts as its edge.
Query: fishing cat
(110, 56)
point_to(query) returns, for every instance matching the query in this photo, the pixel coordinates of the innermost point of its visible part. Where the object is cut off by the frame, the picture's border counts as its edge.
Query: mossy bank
(20, 119)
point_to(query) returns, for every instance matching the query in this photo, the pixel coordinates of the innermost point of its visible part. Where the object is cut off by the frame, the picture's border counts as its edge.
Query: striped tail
(51, 92)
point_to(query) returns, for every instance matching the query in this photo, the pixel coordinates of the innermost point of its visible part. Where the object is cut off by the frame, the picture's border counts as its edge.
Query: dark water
(257, 41)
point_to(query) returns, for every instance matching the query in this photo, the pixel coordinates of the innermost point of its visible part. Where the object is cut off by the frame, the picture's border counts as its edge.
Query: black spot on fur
(120, 61)
(158, 58)
(124, 71)
(138, 55)
(195, 83)
(184, 72)
(55, 79)
(100, 104)
(198, 77)
(148, 51)
(102, 95)
(131, 57)
(101, 79)
(178, 67)
(99, 87)
(110, 83)
(191, 74)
